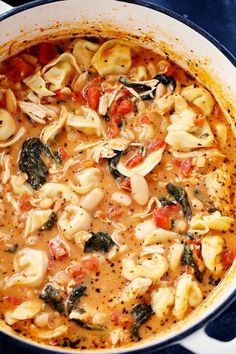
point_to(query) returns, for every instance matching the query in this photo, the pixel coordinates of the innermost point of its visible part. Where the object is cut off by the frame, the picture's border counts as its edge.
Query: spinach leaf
(50, 223)
(166, 80)
(139, 87)
(164, 201)
(30, 161)
(88, 325)
(74, 297)
(141, 313)
(52, 297)
(112, 163)
(100, 241)
(147, 89)
(190, 261)
(181, 197)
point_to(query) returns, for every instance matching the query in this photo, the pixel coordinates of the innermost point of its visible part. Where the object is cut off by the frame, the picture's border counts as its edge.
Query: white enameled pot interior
(162, 33)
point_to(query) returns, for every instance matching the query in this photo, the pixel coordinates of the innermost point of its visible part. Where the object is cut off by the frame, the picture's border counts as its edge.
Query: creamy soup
(117, 202)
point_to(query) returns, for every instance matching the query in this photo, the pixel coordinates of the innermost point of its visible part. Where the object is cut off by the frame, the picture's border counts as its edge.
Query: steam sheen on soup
(116, 196)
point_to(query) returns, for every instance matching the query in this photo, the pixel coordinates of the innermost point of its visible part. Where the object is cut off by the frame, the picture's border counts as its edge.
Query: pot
(185, 44)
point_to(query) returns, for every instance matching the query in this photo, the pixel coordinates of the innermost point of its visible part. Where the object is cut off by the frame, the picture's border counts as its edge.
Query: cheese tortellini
(89, 123)
(159, 235)
(30, 266)
(200, 97)
(36, 219)
(174, 255)
(145, 228)
(38, 85)
(218, 222)
(7, 125)
(72, 220)
(113, 58)
(24, 311)
(49, 133)
(145, 132)
(58, 190)
(88, 179)
(188, 294)
(184, 135)
(212, 247)
(198, 225)
(58, 71)
(83, 52)
(153, 268)
(162, 300)
(135, 288)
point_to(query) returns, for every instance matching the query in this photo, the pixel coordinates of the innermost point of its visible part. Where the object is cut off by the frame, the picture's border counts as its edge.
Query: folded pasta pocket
(89, 123)
(113, 57)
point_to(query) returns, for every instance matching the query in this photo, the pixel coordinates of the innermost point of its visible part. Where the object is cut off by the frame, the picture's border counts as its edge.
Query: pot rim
(232, 296)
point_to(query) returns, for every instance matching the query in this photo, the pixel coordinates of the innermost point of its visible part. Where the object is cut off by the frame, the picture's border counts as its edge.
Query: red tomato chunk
(58, 247)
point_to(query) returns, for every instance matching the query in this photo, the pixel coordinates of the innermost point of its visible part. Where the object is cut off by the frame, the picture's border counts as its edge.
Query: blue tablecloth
(218, 18)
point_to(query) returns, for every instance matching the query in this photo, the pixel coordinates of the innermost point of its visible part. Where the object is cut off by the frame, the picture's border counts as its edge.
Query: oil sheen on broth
(117, 193)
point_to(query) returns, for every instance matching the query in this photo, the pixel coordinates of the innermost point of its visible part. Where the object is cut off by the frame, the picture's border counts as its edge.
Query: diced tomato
(47, 52)
(78, 97)
(19, 70)
(172, 210)
(177, 162)
(113, 129)
(170, 70)
(134, 161)
(126, 91)
(125, 106)
(25, 204)
(77, 272)
(58, 247)
(155, 144)
(200, 120)
(216, 110)
(63, 154)
(3, 103)
(125, 184)
(59, 95)
(110, 90)
(186, 167)
(162, 218)
(228, 258)
(91, 264)
(113, 108)
(144, 119)
(93, 93)
(13, 300)
(114, 212)
(195, 247)
(115, 316)
(193, 243)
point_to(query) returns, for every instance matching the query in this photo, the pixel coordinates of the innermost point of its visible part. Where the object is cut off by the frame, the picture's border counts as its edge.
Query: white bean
(180, 226)
(44, 319)
(121, 198)
(139, 189)
(11, 103)
(7, 125)
(91, 200)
